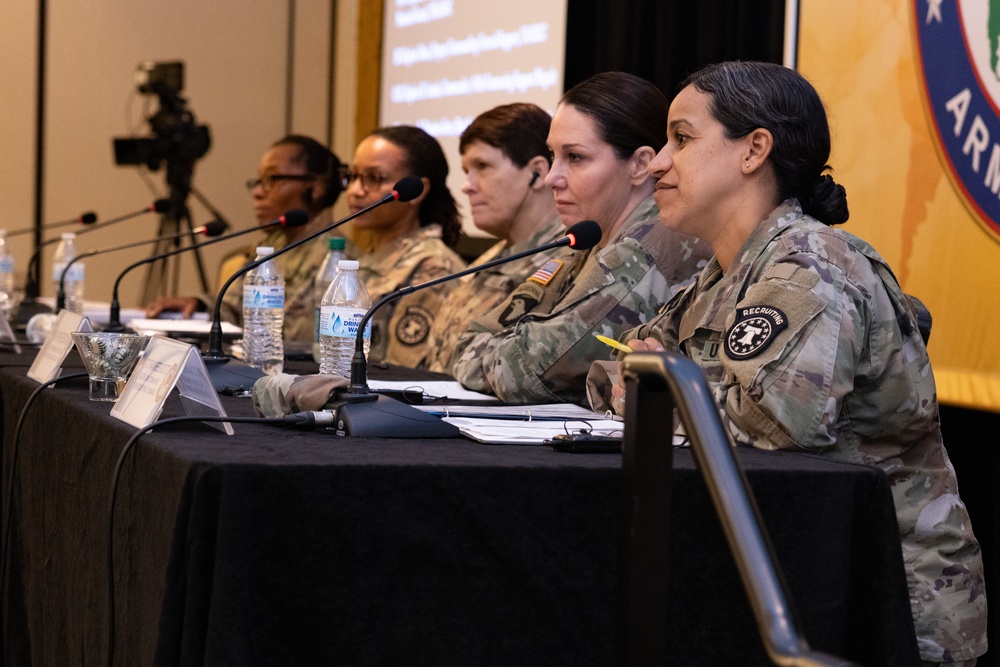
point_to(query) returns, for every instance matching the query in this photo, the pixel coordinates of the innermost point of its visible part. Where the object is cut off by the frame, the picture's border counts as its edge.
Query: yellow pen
(613, 343)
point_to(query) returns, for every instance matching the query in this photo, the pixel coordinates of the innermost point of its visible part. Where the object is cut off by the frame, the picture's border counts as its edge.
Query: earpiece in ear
(534, 177)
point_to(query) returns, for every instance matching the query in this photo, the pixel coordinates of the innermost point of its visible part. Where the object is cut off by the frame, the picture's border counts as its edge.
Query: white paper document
(433, 388)
(518, 432)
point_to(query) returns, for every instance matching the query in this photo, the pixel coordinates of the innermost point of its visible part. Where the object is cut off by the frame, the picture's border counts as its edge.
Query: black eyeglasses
(267, 182)
(370, 180)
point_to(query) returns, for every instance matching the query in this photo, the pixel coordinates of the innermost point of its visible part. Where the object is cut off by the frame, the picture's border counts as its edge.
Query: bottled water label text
(342, 322)
(264, 296)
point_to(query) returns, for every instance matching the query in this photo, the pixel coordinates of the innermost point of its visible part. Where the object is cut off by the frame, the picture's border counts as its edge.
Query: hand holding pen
(634, 345)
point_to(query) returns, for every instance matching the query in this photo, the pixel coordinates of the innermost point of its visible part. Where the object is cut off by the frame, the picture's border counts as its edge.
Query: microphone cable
(9, 494)
(305, 420)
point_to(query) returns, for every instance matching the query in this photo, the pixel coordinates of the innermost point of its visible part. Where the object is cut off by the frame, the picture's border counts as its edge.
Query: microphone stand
(61, 295)
(29, 305)
(226, 373)
(114, 318)
(361, 412)
(84, 219)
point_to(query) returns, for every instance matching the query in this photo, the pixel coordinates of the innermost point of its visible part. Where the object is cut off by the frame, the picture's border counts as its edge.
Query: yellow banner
(905, 197)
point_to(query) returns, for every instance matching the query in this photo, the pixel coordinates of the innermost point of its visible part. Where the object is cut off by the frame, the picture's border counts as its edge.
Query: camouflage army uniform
(298, 267)
(537, 345)
(401, 328)
(808, 343)
(478, 293)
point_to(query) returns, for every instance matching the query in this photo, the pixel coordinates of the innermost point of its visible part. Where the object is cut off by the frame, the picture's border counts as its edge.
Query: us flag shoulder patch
(547, 272)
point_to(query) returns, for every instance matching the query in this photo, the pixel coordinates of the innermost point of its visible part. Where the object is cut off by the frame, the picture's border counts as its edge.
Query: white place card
(166, 363)
(57, 345)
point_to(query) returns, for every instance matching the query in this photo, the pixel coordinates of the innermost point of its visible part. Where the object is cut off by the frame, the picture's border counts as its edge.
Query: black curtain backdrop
(665, 40)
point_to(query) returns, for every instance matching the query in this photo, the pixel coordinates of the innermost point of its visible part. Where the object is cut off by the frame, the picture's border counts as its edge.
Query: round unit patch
(754, 329)
(414, 326)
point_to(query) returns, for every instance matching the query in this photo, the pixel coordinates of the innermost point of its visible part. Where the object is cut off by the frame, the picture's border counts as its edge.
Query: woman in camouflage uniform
(406, 243)
(803, 332)
(295, 172)
(536, 346)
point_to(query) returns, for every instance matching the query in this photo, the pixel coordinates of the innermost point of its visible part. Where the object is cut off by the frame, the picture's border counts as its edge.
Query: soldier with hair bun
(805, 337)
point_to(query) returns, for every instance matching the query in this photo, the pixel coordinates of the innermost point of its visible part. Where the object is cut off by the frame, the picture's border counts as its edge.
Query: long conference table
(282, 547)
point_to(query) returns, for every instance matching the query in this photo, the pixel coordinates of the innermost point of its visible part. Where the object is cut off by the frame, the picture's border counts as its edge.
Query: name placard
(167, 363)
(48, 363)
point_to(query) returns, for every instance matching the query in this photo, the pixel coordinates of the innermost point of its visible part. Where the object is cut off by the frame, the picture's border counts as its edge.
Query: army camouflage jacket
(401, 328)
(478, 293)
(537, 345)
(808, 343)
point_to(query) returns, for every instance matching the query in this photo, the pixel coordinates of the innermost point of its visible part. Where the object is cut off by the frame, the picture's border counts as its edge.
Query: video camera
(176, 135)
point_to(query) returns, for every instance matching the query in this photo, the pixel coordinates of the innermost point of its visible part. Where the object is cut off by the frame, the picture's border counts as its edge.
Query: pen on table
(613, 343)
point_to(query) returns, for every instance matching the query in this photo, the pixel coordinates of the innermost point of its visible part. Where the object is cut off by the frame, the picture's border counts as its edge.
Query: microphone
(230, 375)
(31, 286)
(87, 218)
(214, 228)
(293, 218)
(355, 412)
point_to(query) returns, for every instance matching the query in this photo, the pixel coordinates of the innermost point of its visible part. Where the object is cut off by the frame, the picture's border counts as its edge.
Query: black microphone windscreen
(408, 188)
(585, 234)
(88, 218)
(160, 206)
(294, 218)
(215, 228)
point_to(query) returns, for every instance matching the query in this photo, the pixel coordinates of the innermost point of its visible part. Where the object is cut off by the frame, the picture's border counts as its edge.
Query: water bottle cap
(348, 264)
(69, 235)
(263, 250)
(337, 243)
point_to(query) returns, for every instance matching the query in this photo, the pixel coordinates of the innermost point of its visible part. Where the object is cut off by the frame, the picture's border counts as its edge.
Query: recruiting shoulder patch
(414, 326)
(754, 330)
(547, 272)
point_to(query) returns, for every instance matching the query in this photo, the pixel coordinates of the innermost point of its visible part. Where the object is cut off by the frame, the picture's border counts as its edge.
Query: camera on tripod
(176, 136)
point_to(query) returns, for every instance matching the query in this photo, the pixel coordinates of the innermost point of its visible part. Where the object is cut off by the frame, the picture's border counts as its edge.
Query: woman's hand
(185, 305)
(644, 345)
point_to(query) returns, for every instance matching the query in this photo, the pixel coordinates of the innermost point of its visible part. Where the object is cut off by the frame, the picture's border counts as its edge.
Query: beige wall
(235, 55)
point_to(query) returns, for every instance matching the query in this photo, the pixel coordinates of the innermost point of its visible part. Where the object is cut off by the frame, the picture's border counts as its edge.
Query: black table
(283, 547)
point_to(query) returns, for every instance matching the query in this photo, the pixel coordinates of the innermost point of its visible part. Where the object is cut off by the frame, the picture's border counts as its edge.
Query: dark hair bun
(826, 201)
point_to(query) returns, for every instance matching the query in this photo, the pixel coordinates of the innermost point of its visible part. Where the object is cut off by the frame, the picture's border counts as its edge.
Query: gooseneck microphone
(87, 218)
(229, 375)
(213, 228)
(293, 218)
(31, 286)
(355, 414)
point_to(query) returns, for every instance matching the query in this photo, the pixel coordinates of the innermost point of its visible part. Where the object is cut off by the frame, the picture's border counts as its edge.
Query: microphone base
(231, 376)
(384, 417)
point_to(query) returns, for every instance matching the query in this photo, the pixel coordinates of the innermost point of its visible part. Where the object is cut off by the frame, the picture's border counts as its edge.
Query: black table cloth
(283, 547)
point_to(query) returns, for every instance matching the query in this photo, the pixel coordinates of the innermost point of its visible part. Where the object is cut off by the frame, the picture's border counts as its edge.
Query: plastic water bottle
(346, 301)
(7, 299)
(264, 315)
(327, 270)
(73, 282)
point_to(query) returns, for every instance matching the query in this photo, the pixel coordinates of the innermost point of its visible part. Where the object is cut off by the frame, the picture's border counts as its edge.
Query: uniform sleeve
(544, 358)
(409, 324)
(789, 355)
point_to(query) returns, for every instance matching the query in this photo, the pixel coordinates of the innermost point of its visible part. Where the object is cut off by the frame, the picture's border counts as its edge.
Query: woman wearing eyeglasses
(407, 242)
(295, 172)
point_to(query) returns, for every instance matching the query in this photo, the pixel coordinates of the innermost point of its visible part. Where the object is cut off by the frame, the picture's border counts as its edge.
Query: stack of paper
(524, 424)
